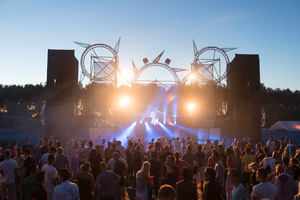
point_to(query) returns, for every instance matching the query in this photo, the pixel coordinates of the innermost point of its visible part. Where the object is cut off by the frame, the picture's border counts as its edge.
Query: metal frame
(156, 64)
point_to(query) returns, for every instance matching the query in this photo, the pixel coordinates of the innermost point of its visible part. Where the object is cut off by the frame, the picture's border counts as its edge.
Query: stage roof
(286, 125)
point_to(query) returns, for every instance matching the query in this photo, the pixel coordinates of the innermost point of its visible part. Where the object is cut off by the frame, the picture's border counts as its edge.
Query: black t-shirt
(118, 169)
(200, 158)
(44, 149)
(171, 178)
(154, 169)
(27, 162)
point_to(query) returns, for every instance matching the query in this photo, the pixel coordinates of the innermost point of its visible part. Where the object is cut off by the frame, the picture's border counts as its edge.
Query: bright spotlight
(124, 101)
(191, 76)
(191, 106)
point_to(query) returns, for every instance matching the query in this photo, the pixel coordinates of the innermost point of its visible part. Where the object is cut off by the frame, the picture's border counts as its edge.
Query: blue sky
(268, 28)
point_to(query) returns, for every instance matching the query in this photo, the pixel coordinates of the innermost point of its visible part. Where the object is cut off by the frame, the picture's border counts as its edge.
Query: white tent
(286, 125)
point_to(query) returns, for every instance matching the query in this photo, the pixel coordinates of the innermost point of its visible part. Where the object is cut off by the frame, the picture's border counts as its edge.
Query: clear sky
(270, 28)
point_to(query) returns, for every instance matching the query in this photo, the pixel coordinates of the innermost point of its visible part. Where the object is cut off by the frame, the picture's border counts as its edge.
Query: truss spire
(156, 60)
(134, 67)
(195, 48)
(117, 45)
(82, 44)
(228, 49)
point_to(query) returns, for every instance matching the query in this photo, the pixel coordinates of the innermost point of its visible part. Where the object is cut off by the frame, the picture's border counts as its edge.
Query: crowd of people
(166, 168)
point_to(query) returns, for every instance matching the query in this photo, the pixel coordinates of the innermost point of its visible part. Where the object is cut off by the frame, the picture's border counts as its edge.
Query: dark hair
(64, 173)
(234, 172)
(40, 176)
(32, 167)
(53, 149)
(7, 153)
(199, 147)
(263, 172)
(210, 171)
(166, 192)
(185, 173)
(171, 157)
(27, 151)
(51, 158)
(286, 160)
(91, 143)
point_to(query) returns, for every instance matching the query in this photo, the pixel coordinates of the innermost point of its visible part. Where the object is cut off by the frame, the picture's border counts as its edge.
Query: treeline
(16, 100)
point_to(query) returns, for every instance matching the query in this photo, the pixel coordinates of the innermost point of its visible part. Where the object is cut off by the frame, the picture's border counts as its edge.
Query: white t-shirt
(111, 164)
(177, 145)
(264, 191)
(270, 161)
(50, 175)
(8, 167)
(45, 159)
(122, 151)
(271, 145)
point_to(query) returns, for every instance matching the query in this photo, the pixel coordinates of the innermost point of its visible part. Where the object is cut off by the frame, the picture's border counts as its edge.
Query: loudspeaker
(62, 86)
(245, 103)
(62, 76)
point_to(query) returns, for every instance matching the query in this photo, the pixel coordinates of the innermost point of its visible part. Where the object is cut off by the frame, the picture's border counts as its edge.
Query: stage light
(191, 76)
(191, 106)
(124, 101)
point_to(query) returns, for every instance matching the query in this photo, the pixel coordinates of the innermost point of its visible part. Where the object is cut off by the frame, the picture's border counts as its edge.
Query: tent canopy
(286, 125)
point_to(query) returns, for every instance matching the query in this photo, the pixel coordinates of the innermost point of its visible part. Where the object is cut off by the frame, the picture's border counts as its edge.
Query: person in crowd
(86, 152)
(284, 184)
(95, 159)
(121, 148)
(177, 144)
(172, 171)
(165, 154)
(106, 182)
(189, 157)
(254, 166)
(81, 150)
(155, 172)
(239, 192)
(129, 159)
(295, 172)
(27, 162)
(114, 160)
(111, 151)
(44, 159)
(246, 171)
(85, 181)
(212, 189)
(186, 189)
(8, 169)
(27, 145)
(45, 148)
(14, 148)
(65, 190)
(74, 157)
(166, 192)
(51, 176)
(264, 190)
(271, 144)
(36, 152)
(30, 181)
(219, 168)
(137, 159)
(200, 157)
(62, 160)
(142, 180)
(19, 158)
(259, 155)
(39, 192)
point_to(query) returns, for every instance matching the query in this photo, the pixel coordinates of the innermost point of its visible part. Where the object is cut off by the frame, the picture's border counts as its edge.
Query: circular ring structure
(163, 65)
(220, 76)
(107, 64)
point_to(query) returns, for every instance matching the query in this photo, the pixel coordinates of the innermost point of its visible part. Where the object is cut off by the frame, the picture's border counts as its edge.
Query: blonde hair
(144, 172)
(85, 167)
